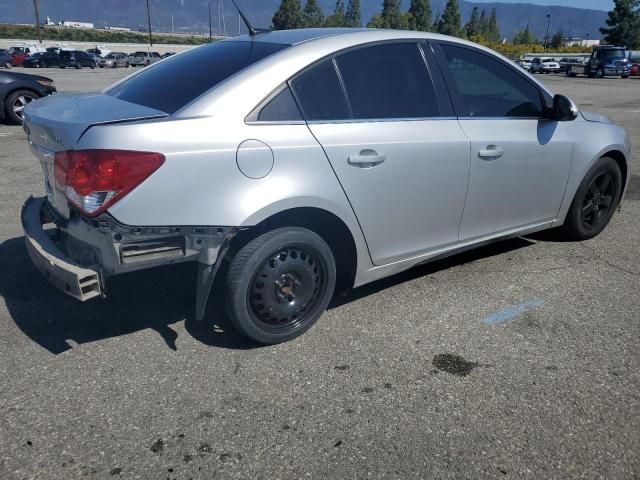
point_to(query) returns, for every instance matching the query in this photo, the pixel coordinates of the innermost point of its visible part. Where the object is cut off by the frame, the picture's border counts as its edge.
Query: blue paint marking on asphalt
(508, 314)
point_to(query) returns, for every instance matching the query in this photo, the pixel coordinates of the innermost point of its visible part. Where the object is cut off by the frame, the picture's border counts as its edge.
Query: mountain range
(192, 15)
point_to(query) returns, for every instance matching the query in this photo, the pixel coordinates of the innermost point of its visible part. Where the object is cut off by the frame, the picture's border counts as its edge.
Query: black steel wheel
(598, 200)
(595, 201)
(279, 284)
(600, 72)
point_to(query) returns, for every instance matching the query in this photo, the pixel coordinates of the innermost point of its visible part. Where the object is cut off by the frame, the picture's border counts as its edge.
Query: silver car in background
(114, 60)
(308, 161)
(144, 58)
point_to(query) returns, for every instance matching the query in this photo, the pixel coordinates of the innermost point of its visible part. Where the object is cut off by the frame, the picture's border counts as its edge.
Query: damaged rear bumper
(82, 283)
(77, 253)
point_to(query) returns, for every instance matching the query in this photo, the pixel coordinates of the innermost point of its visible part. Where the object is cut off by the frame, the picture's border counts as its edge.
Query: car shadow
(153, 299)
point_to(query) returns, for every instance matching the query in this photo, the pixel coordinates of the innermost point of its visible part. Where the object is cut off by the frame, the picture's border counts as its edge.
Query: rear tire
(279, 284)
(595, 201)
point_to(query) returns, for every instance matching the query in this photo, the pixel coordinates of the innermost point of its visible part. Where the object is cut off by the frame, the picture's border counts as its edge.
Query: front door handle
(492, 152)
(368, 158)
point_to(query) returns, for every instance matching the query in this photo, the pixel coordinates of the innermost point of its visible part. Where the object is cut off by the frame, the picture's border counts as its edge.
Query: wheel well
(327, 225)
(26, 89)
(618, 156)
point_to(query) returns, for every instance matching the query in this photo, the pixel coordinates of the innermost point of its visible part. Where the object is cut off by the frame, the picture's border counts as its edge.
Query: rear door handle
(368, 158)
(492, 152)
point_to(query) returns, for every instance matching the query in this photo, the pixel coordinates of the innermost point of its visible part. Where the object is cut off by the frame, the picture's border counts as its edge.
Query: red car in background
(635, 66)
(17, 58)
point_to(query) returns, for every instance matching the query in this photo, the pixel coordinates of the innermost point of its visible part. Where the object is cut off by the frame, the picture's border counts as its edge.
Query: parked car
(42, 60)
(15, 49)
(76, 59)
(544, 65)
(5, 58)
(310, 161)
(19, 89)
(635, 66)
(144, 58)
(114, 60)
(18, 58)
(168, 54)
(525, 64)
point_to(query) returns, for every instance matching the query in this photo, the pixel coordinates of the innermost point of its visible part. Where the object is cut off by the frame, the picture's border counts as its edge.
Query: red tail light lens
(93, 180)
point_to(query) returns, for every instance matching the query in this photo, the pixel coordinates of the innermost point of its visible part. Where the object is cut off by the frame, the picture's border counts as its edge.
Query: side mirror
(564, 109)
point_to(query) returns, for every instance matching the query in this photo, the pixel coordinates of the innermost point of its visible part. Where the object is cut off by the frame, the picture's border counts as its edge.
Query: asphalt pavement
(517, 360)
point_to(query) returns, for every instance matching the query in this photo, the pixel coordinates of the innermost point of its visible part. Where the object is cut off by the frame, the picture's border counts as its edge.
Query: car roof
(296, 36)
(305, 35)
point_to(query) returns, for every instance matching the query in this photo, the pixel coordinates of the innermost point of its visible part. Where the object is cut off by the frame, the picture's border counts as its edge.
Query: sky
(594, 4)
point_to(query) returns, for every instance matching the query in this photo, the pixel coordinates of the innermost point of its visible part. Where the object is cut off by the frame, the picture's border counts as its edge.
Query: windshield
(170, 85)
(613, 54)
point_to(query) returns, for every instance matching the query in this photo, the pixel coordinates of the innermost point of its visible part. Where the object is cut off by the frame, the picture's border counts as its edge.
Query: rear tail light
(93, 180)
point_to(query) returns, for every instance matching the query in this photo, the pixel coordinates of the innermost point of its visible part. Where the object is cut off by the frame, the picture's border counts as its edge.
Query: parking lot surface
(518, 360)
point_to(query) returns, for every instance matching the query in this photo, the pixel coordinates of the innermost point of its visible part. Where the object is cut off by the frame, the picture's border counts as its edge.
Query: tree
(337, 19)
(420, 15)
(353, 16)
(624, 24)
(312, 16)
(391, 14)
(288, 16)
(473, 28)
(524, 37)
(558, 40)
(449, 23)
(484, 23)
(493, 30)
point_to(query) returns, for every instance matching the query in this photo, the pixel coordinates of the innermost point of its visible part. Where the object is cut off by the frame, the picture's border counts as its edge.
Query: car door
(387, 128)
(520, 160)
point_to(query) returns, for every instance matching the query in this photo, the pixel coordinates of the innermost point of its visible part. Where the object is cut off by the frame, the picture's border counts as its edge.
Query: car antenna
(252, 30)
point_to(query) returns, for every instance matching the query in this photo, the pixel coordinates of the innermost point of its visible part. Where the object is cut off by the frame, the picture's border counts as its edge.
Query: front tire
(595, 201)
(279, 284)
(15, 103)
(600, 73)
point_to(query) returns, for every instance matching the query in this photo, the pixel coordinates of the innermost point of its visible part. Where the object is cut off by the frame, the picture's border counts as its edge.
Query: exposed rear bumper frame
(80, 282)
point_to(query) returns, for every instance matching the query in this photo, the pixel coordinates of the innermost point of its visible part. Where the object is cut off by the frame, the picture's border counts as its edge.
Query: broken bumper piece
(81, 282)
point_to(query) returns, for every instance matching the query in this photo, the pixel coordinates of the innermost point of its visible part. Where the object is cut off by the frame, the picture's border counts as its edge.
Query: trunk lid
(57, 122)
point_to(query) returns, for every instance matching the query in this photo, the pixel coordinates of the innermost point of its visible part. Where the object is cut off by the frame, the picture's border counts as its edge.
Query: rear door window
(168, 86)
(388, 81)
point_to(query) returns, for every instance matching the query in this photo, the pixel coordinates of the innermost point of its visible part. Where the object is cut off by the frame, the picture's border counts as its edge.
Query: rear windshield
(170, 85)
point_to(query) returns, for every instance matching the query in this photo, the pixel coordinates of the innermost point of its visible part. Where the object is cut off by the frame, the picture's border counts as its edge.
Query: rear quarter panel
(200, 182)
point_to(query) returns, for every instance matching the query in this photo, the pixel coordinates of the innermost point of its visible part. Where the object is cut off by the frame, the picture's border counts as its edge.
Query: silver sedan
(310, 161)
(114, 60)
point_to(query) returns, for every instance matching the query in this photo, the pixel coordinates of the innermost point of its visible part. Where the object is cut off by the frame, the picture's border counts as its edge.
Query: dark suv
(76, 59)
